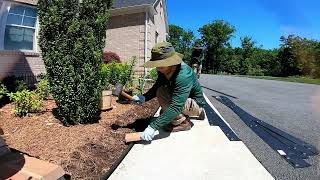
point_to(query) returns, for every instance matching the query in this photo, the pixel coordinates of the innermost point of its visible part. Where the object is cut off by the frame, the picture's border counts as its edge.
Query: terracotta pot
(106, 100)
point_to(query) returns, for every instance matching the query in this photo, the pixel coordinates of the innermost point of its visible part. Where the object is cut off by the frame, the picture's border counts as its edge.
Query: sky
(263, 20)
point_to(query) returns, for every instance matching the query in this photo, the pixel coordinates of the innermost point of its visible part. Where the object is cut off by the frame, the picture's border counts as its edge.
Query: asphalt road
(291, 107)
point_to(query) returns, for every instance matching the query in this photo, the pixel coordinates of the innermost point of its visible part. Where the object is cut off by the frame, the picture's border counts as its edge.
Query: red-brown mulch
(84, 151)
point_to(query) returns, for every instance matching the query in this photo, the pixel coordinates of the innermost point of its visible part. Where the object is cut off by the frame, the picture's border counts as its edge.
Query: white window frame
(4, 11)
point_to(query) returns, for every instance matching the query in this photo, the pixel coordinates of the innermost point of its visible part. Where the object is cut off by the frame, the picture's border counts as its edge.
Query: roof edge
(130, 9)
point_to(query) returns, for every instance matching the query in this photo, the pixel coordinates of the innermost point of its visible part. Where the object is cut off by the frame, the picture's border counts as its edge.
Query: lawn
(298, 79)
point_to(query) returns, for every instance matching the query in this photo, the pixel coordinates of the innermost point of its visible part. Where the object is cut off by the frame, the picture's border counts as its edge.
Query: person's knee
(191, 108)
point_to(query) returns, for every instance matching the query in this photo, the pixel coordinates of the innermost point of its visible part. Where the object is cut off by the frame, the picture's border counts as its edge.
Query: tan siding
(125, 36)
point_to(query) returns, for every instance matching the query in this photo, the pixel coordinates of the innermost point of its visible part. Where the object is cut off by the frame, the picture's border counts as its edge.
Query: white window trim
(4, 10)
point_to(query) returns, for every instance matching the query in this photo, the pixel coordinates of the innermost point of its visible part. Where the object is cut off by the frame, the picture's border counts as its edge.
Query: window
(19, 25)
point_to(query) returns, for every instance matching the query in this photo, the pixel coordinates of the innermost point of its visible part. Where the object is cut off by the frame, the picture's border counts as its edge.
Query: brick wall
(125, 36)
(20, 64)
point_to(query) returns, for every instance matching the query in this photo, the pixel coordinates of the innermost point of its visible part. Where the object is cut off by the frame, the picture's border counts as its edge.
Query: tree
(287, 57)
(267, 61)
(215, 37)
(182, 40)
(246, 60)
(72, 37)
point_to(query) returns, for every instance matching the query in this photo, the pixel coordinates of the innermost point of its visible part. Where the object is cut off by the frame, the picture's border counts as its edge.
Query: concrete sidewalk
(203, 153)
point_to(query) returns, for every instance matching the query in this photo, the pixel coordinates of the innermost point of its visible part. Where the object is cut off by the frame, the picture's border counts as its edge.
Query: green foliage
(182, 40)
(43, 89)
(26, 102)
(299, 56)
(3, 91)
(154, 74)
(215, 36)
(20, 85)
(113, 73)
(296, 56)
(72, 37)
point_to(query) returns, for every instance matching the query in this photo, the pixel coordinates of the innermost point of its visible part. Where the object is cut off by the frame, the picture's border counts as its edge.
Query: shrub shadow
(56, 114)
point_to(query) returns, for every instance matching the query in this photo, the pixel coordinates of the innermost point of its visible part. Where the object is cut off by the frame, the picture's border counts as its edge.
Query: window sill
(24, 53)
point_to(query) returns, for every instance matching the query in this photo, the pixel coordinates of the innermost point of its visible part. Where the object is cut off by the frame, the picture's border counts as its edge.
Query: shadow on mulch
(139, 125)
(4, 101)
(56, 114)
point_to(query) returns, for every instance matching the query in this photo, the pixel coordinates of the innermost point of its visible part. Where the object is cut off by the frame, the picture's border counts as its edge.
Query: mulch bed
(84, 151)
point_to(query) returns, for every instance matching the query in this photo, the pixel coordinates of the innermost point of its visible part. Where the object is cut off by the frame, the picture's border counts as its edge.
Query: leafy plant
(3, 91)
(72, 38)
(113, 73)
(20, 85)
(43, 89)
(25, 102)
(154, 74)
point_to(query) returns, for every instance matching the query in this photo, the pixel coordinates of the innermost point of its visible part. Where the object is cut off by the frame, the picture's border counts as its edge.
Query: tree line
(296, 56)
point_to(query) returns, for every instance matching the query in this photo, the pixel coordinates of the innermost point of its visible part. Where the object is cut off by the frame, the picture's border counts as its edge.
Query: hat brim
(170, 61)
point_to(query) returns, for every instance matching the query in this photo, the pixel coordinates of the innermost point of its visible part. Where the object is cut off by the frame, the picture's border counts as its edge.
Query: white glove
(149, 133)
(139, 98)
(135, 98)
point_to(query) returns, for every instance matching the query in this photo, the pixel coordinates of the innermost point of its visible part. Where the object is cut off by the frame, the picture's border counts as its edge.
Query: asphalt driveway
(291, 107)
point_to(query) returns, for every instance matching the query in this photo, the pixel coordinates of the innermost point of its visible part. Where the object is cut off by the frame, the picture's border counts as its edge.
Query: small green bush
(14, 83)
(154, 74)
(113, 73)
(43, 89)
(3, 91)
(20, 85)
(105, 76)
(26, 102)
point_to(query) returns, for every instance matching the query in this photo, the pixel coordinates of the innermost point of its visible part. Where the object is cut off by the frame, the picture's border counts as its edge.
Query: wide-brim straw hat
(163, 55)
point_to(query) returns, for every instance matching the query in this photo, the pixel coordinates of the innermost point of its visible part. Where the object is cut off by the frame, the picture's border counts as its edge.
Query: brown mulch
(84, 151)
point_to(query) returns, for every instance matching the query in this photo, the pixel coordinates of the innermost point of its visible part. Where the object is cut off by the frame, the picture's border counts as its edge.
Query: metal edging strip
(292, 151)
(216, 120)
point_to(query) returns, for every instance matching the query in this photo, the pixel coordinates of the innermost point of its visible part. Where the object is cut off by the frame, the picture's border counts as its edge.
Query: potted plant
(106, 99)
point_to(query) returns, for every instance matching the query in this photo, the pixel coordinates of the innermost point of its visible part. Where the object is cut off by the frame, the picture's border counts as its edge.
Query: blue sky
(263, 20)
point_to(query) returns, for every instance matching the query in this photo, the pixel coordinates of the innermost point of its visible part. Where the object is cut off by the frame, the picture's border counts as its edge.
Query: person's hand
(139, 98)
(149, 133)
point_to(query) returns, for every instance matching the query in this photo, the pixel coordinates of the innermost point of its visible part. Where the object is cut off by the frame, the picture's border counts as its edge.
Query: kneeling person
(177, 89)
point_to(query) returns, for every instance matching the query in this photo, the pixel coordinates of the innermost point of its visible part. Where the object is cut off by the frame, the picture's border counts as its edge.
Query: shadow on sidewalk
(10, 162)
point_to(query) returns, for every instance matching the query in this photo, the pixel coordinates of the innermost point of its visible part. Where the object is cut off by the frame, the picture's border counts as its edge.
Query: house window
(19, 25)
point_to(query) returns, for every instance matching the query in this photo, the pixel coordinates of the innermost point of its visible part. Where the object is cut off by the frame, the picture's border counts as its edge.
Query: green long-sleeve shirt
(183, 84)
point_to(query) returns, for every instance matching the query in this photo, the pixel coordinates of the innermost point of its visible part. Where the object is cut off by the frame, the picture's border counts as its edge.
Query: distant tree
(286, 56)
(215, 37)
(182, 40)
(267, 61)
(246, 60)
(230, 61)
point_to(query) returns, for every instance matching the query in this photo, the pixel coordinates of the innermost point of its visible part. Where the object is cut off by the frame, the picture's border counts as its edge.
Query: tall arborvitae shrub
(72, 37)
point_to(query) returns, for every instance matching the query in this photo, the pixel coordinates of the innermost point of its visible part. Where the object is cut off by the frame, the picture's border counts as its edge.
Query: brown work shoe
(202, 115)
(184, 126)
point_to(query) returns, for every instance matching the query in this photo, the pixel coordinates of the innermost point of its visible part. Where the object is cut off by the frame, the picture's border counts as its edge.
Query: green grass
(299, 79)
